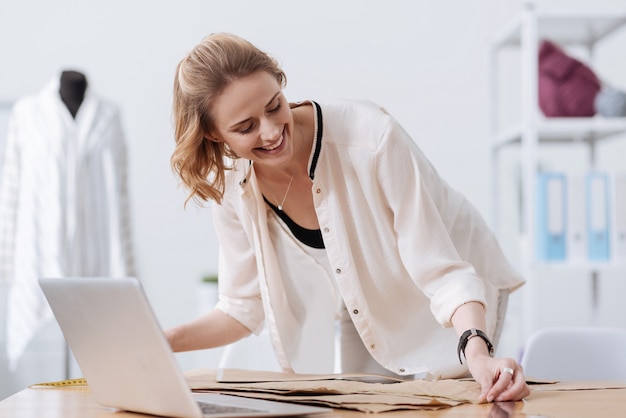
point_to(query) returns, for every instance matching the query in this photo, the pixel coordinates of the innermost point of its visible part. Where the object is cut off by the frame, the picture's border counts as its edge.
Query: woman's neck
(304, 128)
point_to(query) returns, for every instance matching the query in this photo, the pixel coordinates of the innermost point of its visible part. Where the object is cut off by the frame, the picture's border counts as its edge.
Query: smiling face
(253, 118)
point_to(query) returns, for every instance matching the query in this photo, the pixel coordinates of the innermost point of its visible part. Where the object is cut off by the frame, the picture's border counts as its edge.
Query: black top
(310, 237)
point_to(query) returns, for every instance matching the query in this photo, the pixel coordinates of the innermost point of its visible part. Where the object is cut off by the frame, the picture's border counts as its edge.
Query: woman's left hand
(500, 379)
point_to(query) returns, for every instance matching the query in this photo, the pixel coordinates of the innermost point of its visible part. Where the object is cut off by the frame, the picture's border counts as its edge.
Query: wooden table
(77, 402)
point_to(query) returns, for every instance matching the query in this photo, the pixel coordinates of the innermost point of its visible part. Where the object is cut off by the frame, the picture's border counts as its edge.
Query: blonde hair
(206, 71)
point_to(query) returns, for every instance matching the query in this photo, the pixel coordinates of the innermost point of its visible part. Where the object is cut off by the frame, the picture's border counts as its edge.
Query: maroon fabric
(567, 87)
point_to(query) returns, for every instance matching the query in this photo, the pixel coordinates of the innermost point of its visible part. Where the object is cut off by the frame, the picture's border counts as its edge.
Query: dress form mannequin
(72, 89)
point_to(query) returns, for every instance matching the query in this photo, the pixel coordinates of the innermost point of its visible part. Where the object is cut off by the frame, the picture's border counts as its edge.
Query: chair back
(576, 353)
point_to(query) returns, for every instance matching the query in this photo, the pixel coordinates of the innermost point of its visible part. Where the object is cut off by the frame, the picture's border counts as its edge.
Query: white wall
(421, 60)
(425, 61)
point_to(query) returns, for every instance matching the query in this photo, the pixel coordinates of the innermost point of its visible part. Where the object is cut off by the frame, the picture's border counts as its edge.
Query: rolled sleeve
(245, 311)
(454, 293)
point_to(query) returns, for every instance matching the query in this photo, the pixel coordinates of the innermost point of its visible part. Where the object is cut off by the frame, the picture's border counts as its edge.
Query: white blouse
(405, 249)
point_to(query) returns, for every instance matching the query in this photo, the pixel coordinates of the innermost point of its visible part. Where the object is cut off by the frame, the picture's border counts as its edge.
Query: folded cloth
(567, 87)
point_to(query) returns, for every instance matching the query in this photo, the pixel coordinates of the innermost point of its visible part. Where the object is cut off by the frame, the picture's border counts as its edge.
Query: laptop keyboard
(213, 408)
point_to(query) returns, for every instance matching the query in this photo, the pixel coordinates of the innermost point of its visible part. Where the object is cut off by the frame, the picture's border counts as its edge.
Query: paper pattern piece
(357, 392)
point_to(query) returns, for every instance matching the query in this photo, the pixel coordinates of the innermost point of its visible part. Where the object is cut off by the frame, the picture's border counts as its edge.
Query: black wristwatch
(468, 335)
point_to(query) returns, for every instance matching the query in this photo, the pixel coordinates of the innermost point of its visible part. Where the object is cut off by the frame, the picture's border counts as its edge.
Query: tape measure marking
(61, 383)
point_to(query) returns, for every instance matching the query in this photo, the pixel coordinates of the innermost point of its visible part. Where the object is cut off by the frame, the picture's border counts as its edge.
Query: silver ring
(507, 370)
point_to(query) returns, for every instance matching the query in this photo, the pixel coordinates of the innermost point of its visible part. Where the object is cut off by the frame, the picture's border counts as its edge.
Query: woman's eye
(276, 108)
(246, 130)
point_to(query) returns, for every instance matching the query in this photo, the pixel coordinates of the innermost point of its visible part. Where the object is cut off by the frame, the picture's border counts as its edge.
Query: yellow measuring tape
(61, 383)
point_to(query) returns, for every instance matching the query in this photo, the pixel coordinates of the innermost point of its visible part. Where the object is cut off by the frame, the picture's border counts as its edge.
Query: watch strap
(468, 335)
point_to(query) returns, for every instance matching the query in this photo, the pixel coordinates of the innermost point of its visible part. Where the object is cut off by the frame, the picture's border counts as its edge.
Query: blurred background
(427, 62)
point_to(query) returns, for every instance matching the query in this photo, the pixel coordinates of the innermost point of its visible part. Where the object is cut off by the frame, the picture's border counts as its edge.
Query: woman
(331, 214)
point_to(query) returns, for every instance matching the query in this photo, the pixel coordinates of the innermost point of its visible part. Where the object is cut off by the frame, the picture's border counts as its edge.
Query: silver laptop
(126, 359)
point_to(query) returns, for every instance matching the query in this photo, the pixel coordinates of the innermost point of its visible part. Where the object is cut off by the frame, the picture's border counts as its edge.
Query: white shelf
(565, 130)
(563, 28)
(524, 35)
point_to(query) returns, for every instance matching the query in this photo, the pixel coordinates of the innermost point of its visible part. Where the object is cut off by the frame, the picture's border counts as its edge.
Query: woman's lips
(275, 146)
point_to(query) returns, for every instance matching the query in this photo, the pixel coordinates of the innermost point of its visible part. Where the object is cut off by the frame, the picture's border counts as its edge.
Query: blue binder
(551, 216)
(598, 216)
(576, 244)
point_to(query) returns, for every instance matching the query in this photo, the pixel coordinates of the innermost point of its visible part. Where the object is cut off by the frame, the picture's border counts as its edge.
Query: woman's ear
(212, 138)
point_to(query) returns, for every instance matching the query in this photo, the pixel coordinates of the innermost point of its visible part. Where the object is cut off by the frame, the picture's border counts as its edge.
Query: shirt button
(338, 271)
(402, 370)
(356, 311)
(318, 191)
(373, 346)
(326, 229)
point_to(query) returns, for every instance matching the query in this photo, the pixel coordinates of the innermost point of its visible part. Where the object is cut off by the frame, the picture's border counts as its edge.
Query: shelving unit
(523, 35)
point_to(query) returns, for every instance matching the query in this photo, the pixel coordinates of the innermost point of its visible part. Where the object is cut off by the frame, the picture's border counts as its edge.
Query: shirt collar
(317, 145)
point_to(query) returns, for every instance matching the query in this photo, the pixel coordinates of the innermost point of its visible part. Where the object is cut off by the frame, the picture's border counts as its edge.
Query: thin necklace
(280, 207)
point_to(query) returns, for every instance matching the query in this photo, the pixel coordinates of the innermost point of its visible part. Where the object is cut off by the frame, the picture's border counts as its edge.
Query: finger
(503, 380)
(485, 387)
(514, 393)
(517, 390)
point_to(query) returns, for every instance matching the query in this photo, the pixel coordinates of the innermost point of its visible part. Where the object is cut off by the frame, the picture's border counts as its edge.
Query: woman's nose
(269, 131)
